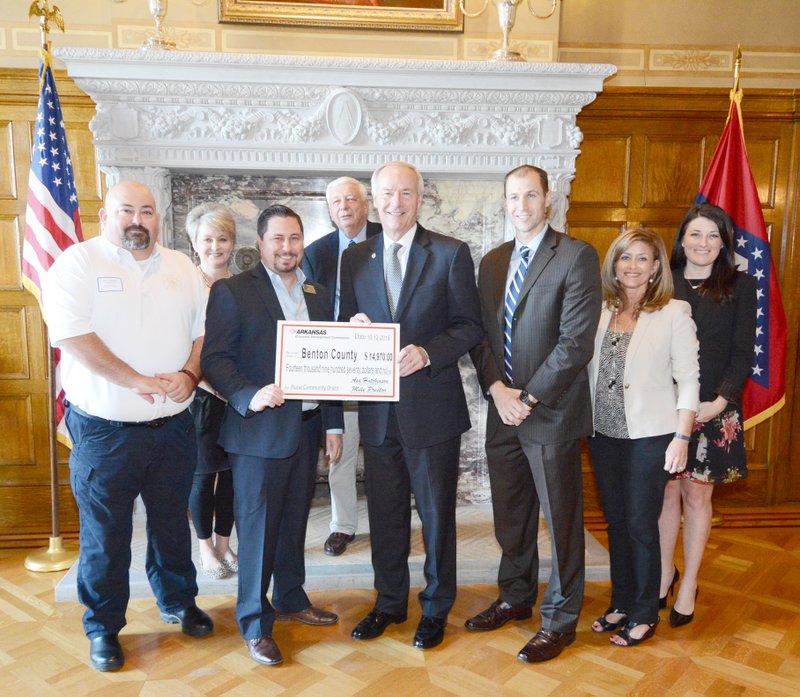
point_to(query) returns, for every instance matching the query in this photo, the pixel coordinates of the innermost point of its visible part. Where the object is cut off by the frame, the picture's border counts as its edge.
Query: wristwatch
(525, 398)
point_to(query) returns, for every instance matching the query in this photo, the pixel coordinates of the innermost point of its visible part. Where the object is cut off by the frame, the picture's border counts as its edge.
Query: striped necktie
(511, 303)
(394, 277)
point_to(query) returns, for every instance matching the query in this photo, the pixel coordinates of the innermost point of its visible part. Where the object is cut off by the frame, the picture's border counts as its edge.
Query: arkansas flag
(52, 219)
(729, 184)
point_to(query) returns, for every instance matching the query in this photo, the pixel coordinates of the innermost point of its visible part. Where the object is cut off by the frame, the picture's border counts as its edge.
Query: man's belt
(155, 423)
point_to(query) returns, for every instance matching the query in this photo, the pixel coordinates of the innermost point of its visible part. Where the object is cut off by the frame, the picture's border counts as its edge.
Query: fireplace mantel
(219, 111)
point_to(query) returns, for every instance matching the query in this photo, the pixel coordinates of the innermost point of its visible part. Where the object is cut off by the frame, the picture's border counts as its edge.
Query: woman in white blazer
(644, 378)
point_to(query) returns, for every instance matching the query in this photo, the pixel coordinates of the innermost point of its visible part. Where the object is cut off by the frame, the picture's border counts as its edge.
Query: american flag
(52, 219)
(729, 184)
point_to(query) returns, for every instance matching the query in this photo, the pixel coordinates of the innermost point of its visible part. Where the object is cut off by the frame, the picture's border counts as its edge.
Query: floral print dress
(717, 452)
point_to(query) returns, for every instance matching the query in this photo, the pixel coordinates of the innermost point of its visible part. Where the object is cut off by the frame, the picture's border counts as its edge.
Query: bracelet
(680, 436)
(188, 372)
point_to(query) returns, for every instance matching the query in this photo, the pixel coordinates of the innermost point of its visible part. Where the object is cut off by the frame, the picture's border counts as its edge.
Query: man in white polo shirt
(128, 317)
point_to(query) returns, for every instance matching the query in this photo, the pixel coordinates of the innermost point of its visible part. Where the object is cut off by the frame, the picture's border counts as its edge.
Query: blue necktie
(511, 303)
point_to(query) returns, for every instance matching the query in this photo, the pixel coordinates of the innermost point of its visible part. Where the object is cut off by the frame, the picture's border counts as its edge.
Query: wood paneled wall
(24, 440)
(644, 154)
(643, 157)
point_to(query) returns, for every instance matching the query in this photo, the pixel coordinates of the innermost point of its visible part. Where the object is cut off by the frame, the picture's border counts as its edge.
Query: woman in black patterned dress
(723, 304)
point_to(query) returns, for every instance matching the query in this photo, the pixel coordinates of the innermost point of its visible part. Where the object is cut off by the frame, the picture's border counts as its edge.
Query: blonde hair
(658, 292)
(215, 216)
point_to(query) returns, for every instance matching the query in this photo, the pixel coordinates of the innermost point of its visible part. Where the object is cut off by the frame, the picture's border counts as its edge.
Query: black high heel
(625, 634)
(678, 619)
(662, 602)
(607, 626)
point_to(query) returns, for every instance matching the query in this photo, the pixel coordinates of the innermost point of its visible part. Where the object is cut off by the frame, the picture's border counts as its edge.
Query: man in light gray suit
(540, 304)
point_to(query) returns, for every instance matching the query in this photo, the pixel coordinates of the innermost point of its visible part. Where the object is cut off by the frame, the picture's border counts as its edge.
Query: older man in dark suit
(425, 282)
(348, 206)
(540, 302)
(272, 444)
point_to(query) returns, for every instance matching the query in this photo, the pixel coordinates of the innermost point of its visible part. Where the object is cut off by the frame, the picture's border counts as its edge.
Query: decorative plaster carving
(231, 111)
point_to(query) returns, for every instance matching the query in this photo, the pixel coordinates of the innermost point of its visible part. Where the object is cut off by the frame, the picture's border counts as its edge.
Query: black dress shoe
(105, 653)
(496, 615)
(337, 542)
(264, 650)
(545, 645)
(430, 632)
(374, 624)
(194, 622)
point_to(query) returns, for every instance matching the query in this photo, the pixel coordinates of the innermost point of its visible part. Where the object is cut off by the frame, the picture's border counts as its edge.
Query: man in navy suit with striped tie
(348, 206)
(540, 303)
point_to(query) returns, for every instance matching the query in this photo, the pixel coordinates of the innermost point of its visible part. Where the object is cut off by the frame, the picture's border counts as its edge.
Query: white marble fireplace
(252, 129)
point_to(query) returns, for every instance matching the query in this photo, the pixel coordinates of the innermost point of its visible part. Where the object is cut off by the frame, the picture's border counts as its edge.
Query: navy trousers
(631, 481)
(109, 467)
(271, 501)
(392, 471)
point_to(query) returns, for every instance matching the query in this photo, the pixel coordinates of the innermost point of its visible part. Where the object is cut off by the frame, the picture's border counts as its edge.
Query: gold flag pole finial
(737, 70)
(41, 9)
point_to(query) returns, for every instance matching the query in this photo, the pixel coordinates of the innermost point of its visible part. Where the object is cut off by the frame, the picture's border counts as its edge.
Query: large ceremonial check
(337, 360)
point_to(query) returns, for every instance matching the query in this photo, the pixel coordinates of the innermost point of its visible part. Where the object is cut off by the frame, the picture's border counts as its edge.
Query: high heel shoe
(607, 626)
(678, 619)
(662, 602)
(625, 634)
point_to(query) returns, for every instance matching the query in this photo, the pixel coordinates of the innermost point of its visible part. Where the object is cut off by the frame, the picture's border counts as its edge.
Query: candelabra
(506, 16)
(158, 9)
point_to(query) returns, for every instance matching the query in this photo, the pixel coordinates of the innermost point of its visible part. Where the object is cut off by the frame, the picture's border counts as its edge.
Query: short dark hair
(275, 211)
(522, 170)
(720, 284)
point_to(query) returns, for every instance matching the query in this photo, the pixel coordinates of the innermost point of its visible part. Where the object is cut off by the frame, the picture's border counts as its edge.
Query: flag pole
(55, 557)
(717, 519)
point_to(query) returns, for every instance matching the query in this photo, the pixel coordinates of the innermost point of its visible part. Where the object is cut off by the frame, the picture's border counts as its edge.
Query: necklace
(695, 284)
(620, 334)
(207, 280)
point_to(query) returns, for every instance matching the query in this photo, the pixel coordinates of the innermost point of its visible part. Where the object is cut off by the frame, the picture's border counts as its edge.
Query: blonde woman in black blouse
(723, 304)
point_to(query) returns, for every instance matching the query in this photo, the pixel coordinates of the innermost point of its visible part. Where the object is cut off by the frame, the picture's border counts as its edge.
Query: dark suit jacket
(438, 309)
(553, 339)
(238, 359)
(321, 259)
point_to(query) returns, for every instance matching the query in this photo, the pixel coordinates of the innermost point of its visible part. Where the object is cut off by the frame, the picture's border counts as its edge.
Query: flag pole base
(54, 558)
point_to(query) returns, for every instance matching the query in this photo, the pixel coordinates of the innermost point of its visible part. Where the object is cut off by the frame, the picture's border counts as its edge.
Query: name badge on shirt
(109, 284)
(308, 288)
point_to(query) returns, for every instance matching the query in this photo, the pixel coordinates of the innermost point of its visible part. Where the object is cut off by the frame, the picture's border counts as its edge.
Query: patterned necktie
(511, 303)
(394, 277)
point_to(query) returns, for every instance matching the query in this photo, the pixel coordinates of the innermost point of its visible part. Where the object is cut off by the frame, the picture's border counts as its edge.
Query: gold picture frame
(403, 15)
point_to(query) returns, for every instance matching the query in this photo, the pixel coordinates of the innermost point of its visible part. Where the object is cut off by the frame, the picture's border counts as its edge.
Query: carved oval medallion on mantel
(344, 115)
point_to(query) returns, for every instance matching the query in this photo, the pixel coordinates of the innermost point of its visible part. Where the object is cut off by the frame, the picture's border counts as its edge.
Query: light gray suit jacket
(553, 337)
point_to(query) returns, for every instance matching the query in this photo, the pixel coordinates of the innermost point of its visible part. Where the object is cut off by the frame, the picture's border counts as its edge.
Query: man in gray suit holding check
(540, 303)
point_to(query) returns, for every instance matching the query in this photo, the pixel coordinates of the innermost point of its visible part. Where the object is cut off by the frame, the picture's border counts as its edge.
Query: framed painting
(406, 15)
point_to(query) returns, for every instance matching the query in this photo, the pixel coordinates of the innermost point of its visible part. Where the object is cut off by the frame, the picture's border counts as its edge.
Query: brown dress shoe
(264, 650)
(311, 615)
(337, 543)
(545, 645)
(496, 615)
